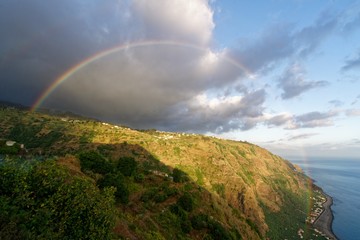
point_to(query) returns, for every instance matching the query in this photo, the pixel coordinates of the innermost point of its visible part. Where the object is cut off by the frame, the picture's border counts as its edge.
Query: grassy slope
(241, 185)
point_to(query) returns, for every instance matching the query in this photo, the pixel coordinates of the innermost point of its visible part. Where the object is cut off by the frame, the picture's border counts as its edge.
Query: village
(316, 210)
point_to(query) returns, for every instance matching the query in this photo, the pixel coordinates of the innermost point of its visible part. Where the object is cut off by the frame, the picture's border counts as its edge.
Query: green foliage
(118, 181)
(177, 151)
(291, 217)
(149, 194)
(29, 135)
(9, 149)
(93, 161)
(179, 176)
(26, 134)
(199, 176)
(219, 188)
(127, 166)
(200, 221)
(186, 202)
(215, 229)
(139, 178)
(45, 202)
(186, 226)
(179, 211)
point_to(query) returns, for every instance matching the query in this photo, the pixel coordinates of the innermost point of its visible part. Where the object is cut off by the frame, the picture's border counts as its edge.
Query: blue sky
(283, 74)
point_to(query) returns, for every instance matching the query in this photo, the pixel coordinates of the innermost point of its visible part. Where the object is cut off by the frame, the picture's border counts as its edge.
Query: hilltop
(168, 185)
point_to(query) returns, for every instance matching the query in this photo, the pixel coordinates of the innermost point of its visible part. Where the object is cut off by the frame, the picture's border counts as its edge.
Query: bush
(117, 181)
(217, 231)
(179, 176)
(127, 166)
(149, 194)
(177, 210)
(186, 226)
(95, 162)
(186, 202)
(200, 221)
(139, 178)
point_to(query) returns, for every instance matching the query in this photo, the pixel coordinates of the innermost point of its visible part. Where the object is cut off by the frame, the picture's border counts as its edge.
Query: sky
(282, 74)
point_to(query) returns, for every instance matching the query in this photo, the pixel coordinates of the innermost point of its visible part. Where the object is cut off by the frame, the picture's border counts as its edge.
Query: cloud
(282, 41)
(279, 120)
(275, 43)
(301, 136)
(351, 64)
(177, 19)
(352, 112)
(41, 39)
(306, 120)
(293, 82)
(310, 37)
(336, 103)
(350, 19)
(356, 100)
(170, 87)
(314, 119)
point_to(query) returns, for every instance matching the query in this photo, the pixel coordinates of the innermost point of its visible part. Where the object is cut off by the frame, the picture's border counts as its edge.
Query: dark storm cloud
(41, 39)
(170, 87)
(293, 82)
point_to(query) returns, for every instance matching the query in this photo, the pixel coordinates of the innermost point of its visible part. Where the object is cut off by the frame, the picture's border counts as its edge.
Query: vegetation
(77, 178)
(44, 201)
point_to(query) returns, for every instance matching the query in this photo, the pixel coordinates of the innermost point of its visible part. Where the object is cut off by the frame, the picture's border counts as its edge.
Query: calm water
(340, 178)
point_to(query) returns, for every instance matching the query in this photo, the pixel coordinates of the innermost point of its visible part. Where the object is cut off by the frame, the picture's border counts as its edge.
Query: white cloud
(182, 20)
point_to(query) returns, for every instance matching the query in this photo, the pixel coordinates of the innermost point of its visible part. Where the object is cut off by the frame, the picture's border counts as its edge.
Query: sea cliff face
(244, 188)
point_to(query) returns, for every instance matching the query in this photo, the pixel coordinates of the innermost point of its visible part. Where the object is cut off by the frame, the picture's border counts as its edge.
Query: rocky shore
(324, 221)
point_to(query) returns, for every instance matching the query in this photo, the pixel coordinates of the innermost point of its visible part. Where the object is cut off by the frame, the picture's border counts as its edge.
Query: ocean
(339, 178)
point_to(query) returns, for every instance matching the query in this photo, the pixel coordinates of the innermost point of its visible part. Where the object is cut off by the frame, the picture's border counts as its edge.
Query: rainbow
(62, 78)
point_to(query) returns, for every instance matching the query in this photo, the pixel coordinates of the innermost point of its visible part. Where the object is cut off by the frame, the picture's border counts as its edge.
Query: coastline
(324, 221)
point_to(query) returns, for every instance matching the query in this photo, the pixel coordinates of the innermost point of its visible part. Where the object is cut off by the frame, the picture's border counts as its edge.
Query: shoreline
(324, 221)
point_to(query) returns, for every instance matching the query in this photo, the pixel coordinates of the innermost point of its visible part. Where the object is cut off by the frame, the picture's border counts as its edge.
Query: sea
(339, 178)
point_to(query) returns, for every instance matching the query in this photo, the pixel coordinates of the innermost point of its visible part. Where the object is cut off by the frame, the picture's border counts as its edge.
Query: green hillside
(73, 178)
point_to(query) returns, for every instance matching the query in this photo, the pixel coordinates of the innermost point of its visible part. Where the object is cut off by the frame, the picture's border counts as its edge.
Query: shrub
(200, 221)
(179, 176)
(127, 166)
(95, 162)
(139, 178)
(186, 202)
(186, 226)
(117, 181)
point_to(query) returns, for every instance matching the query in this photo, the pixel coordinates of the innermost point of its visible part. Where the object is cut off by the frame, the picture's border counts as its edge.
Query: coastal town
(320, 216)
